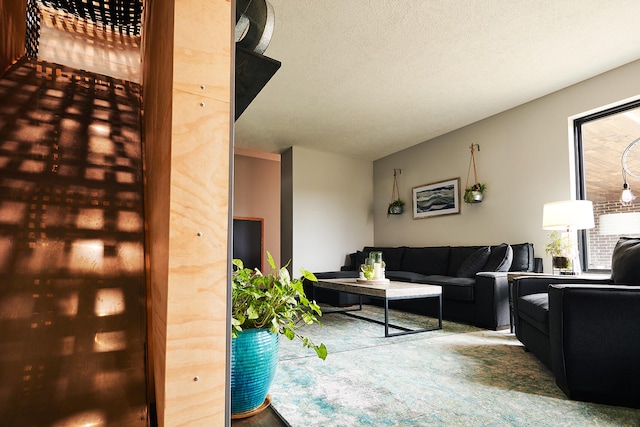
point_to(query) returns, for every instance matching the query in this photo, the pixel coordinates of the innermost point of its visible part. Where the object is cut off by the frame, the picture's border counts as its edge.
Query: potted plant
(561, 248)
(264, 307)
(474, 193)
(395, 207)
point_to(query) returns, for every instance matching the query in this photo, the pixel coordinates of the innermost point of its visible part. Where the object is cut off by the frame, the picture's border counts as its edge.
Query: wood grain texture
(157, 82)
(12, 34)
(202, 52)
(198, 261)
(79, 43)
(187, 140)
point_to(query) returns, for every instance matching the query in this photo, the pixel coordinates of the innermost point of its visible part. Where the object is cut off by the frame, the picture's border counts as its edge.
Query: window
(601, 139)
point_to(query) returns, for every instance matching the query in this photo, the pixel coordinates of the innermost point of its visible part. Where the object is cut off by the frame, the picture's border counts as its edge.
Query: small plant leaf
(273, 301)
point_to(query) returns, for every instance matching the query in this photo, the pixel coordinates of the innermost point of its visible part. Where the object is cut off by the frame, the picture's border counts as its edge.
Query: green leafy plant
(560, 245)
(273, 301)
(468, 192)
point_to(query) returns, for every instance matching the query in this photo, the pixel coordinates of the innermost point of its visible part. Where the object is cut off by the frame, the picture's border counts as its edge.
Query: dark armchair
(587, 331)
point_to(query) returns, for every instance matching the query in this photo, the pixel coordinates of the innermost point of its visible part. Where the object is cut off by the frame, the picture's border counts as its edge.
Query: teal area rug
(457, 376)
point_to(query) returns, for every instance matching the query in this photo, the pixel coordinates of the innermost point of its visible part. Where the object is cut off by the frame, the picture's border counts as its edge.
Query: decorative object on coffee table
(263, 308)
(396, 205)
(474, 193)
(373, 269)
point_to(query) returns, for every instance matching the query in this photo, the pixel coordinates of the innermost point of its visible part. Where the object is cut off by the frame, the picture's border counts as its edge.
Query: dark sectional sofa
(473, 278)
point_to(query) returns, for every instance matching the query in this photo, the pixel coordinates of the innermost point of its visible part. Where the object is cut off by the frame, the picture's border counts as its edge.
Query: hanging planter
(396, 207)
(474, 193)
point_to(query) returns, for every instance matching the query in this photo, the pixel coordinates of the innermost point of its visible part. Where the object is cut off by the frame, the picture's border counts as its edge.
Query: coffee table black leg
(386, 323)
(386, 317)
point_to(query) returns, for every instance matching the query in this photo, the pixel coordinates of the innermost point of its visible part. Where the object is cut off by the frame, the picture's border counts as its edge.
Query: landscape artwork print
(439, 198)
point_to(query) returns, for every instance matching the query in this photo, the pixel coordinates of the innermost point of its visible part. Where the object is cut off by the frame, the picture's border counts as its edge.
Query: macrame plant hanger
(472, 161)
(395, 194)
(395, 207)
(473, 193)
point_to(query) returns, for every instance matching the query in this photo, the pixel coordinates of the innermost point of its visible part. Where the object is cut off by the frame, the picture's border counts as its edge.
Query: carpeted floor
(457, 376)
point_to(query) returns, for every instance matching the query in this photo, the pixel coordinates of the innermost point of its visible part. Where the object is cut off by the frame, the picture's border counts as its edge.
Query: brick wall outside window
(600, 246)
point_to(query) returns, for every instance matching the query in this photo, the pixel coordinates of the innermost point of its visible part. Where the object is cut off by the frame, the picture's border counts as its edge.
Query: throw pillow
(522, 257)
(500, 259)
(474, 263)
(625, 262)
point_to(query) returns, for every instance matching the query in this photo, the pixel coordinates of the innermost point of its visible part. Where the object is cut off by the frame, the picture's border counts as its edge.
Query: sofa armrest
(491, 296)
(593, 332)
(527, 285)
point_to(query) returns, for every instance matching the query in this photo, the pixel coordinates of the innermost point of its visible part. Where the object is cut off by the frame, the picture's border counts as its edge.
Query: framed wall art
(438, 198)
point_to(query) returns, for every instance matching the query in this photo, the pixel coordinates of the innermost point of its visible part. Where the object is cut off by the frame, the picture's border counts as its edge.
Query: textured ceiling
(367, 78)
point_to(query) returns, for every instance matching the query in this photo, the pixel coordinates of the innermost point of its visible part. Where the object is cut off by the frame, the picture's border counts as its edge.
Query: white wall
(331, 203)
(525, 158)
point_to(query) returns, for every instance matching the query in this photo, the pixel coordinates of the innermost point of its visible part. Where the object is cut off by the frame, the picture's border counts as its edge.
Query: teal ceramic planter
(254, 358)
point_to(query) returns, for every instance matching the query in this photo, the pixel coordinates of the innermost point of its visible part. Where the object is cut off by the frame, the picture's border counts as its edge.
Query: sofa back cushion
(522, 257)
(392, 257)
(500, 259)
(474, 262)
(428, 260)
(625, 262)
(359, 258)
(458, 255)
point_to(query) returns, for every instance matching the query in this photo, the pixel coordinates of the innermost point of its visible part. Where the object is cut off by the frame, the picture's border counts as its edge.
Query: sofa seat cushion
(404, 276)
(458, 288)
(535, 309)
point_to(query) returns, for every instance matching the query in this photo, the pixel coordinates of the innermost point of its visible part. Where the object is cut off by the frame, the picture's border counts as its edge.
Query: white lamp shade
(622, 223)
(568, 215)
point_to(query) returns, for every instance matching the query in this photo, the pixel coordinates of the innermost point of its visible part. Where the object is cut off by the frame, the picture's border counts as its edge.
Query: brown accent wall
(187, 136)
(256, 194)
(13, 27)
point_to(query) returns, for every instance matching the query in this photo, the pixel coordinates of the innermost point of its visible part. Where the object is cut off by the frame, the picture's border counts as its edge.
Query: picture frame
(437, 198)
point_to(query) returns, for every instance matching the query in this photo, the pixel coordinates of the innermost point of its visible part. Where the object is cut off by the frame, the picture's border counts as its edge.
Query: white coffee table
(387, 292)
